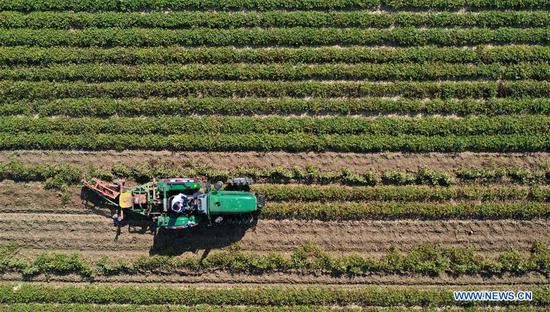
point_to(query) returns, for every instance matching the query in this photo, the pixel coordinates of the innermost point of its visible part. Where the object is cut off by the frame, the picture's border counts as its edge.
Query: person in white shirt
(180, 204)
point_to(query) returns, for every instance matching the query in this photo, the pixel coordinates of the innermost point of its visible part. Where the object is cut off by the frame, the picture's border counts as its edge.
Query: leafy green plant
(295, 36)
(306, 259)
(303, 55)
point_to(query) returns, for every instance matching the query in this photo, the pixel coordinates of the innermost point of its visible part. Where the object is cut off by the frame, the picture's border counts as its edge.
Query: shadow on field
(202, 237)
(171, 242)
(95, 204)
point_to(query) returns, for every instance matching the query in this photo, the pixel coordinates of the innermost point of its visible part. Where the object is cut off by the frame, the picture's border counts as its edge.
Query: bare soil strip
(325, 161)
(221, 278)
(96, 232)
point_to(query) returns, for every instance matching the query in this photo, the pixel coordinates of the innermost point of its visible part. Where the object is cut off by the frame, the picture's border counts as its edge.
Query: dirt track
(326, 161)
(95, 233)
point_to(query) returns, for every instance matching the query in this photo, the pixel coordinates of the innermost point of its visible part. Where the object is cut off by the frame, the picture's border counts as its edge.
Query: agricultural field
(403, 148)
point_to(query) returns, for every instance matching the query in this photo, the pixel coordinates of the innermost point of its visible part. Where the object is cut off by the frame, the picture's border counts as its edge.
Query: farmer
(180, 204)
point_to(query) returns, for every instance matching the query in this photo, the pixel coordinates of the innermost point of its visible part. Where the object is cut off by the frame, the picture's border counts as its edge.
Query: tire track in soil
(97, 233)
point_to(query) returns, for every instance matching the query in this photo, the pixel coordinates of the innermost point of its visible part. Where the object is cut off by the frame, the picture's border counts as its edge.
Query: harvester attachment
(106, 190)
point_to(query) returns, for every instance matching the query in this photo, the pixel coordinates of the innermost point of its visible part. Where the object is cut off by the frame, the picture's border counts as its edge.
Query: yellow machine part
(125, 200)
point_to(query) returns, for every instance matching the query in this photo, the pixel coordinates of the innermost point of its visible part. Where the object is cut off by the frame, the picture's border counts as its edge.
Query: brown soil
(96, 232)
(221, 278)
(326, 161)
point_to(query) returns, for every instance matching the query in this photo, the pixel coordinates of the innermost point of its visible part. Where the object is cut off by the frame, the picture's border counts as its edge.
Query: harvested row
(465, 89)
(298, 142)
(93, 232)
(264, 5)
(272, 296)
(361, 19)
(243, 72)
(222, 55)
(298, 36)
(154, 107)
(394, 126)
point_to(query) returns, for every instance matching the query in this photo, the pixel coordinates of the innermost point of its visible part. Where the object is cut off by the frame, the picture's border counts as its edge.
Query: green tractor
(180, 203)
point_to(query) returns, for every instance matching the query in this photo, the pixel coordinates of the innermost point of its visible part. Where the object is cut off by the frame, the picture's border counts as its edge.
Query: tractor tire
(238, 182)
(261, 201)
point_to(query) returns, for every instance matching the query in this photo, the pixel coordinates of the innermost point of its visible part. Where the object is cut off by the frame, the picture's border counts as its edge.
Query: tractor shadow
(170, 242)
(95, 204)
(201, 238)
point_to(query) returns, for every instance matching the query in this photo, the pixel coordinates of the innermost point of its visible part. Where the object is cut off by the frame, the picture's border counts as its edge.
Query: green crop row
(70, 174)
(298, 142)
(327, 193)
(22, 307)
(154, 72)
(394, 126)
(245, 296)
(263, 5)
(297, 36)
(330, 211)
(460, 4)
(362, 19)
(325, 89)
(154, 107)
(223, 55)
(307, 259)
(313, 175)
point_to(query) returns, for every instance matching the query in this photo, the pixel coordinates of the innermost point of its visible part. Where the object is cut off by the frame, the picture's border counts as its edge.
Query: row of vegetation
(258, 296)
(307, 259)
(297, 36)
(395, 126)
(317, 55)
(395, 210)
(296, 142)
(153, 107)
(325, 89)
(310, 175)
(52, 307)
(327, 193)
(262, 5)
(154, 72)
(363, 19)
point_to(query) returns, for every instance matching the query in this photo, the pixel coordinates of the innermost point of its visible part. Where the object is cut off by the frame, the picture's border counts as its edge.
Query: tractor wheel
(236, 182)
(261, 201)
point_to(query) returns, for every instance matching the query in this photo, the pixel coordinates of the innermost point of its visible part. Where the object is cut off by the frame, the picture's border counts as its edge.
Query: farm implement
(180, 203)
